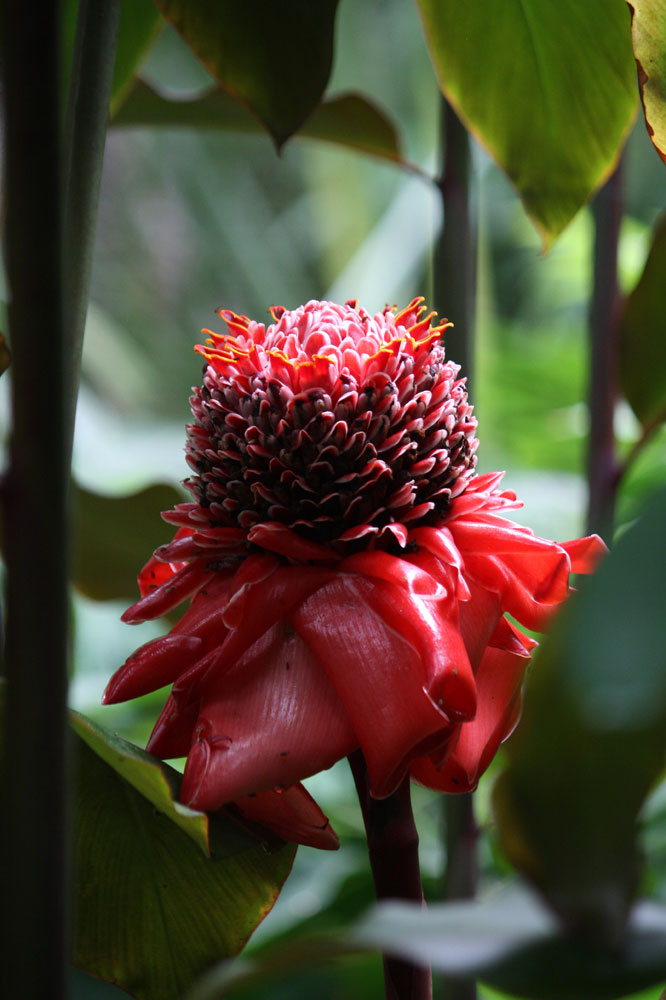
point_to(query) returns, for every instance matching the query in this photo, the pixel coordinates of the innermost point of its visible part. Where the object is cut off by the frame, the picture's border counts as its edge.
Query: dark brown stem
(34, 845)
(453, 277)
(393, 844)
(454, 288)
(602, 469)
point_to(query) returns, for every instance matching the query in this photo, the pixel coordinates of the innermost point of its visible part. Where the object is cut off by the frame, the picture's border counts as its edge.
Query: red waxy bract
(348, 572)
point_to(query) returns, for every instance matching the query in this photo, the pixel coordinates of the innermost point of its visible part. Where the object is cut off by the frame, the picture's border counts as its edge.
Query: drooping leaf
(648, 35)
(348, 120)
(506, 938)
(643, 337)
(114, 537)
(140, 23)
(274, 57)
(152, 912)
(592, 740)
(5, 355)
(548, 88)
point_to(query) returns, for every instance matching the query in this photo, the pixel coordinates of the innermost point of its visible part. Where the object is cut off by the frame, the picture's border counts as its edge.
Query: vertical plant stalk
(393, 844)
(454, 253)
(48, 267)
(85, 138)
(454, 293)
(602, 467)
(34, 851)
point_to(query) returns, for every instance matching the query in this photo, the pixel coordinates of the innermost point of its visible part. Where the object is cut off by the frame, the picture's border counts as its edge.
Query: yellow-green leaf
(648, 35)
(152, 911)
(548, 86)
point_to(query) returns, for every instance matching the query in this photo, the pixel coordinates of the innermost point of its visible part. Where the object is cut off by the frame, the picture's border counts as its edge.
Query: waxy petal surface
(272, 719)
(379, 677)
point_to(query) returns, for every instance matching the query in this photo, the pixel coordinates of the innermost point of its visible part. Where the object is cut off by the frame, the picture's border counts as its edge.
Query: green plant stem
(85, 137)
(393, 844)
(453, 274)
(602, 467)
(34, 498)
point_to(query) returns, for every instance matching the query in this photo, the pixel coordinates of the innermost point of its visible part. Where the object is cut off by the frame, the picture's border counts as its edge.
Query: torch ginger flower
(349, 573)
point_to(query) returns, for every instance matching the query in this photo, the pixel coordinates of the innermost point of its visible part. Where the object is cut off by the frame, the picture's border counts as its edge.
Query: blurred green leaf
(648, 35)
(643, 337)
(549, 88)
(506, 938)
(5, 355)
(349, 120)
(592, 740)
(561, 968)
(140, 23)
(152, 911)
(115, 536)
(275, 58)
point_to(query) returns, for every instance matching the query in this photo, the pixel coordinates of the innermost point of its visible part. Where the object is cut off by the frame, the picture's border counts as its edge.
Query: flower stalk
(393, 843)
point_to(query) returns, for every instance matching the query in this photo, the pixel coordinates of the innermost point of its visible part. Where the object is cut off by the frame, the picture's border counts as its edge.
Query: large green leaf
(506, 938)
(643, 337)
(348, 120)
(648, 35)
(548, 86)
(152, 911)
(114, 537)
(274, 57)
(592, 740)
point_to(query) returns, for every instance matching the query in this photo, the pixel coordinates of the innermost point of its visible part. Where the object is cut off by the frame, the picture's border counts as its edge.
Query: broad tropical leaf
(548, 87)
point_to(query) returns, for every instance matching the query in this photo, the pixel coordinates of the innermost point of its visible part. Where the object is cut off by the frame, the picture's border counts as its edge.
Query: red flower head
(348, 573)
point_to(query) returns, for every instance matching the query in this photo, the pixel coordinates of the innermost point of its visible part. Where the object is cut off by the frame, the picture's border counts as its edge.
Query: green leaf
(115, 536)
(140, 23)
(159, 784)
(548, 88)
(274, 57)
(348, 120)
(506, 938)
(592, 740)
(648, 35)
(643, 337)
(152, 912)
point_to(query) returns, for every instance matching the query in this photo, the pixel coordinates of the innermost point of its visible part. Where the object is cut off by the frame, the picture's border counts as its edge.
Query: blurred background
(193, 221)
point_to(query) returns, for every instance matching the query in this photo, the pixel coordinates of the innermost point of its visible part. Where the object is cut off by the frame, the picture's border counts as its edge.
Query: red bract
(348, 573)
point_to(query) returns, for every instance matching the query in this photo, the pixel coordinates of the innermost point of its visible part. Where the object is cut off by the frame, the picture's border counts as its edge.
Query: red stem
(393, 844)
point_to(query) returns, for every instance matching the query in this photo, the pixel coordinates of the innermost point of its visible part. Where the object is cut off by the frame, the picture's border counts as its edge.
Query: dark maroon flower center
(384, 438)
